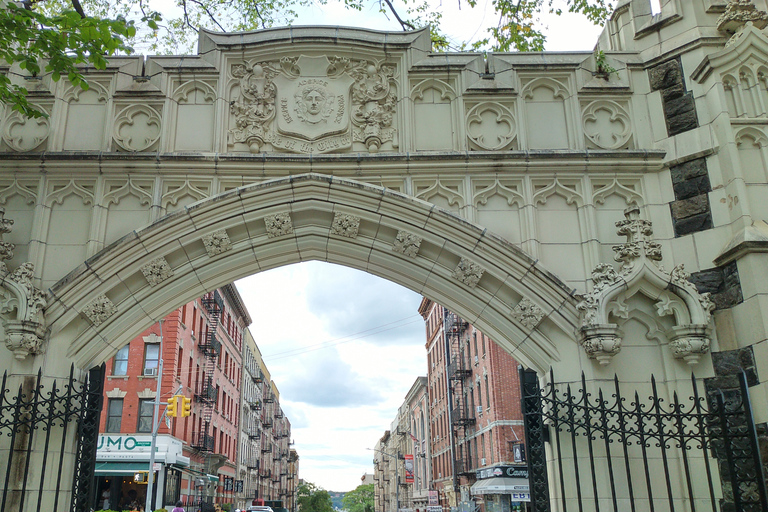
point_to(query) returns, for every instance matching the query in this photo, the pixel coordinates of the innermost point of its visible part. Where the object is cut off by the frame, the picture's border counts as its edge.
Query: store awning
(120, 468)
(517, 486)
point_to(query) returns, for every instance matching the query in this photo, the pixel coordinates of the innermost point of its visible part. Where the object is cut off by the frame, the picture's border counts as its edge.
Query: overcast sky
(343, 346)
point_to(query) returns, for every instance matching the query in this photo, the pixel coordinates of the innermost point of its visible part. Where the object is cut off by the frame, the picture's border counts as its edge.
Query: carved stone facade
(217, 242)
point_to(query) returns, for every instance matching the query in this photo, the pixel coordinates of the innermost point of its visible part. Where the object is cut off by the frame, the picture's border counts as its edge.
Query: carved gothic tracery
(25, 329)
(640, 271)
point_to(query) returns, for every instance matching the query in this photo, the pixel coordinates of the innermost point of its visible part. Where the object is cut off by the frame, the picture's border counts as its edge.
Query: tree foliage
(360, 499)
(311, 498)
(65, 34)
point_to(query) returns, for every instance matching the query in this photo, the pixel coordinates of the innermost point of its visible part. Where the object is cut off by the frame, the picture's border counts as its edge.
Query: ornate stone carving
(137, 128)
(345, 225)
(217, 242)
(305, 104)
(740, 12)
(640, 273)
(24, 133)
(606, 124)
(99, 310)
(21, 303)
(491, 126)
(279, 224)
(407, 244)
(527, 313)
(468, 272)
(157, 271)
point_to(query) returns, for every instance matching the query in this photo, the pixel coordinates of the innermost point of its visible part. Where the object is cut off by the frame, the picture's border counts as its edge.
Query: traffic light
(171, 409)
(186, 406)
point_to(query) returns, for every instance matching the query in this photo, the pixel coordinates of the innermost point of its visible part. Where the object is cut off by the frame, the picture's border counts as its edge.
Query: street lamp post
(397, 479)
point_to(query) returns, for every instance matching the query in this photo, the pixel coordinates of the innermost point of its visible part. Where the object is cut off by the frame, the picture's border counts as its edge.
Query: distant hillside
(336, 498)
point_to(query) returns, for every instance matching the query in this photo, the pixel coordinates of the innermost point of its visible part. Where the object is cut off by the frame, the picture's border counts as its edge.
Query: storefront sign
(432, 499)
(168, 450)
(503, 472)
(435, 509)
(520, 496)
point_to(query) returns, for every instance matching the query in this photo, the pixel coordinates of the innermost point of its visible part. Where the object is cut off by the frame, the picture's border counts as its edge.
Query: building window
(120, 364)
(146, 411)
(114, 414)
(151, 358)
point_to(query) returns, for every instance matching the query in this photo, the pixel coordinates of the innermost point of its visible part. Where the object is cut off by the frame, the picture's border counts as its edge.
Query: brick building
(201, 348)
(475, 416)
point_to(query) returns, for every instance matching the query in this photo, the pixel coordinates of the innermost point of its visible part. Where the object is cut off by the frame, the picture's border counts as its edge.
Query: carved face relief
(313, 103)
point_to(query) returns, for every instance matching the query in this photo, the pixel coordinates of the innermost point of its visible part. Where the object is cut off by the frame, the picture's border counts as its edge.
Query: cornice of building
(236, 302)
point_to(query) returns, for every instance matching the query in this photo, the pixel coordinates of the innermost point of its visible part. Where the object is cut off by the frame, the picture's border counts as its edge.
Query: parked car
(259, 508)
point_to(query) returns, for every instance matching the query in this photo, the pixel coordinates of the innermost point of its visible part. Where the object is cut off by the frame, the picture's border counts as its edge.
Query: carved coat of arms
(313, 104)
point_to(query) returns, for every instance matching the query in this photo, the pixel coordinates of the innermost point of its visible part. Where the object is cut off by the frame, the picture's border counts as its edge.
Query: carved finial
(639, 243)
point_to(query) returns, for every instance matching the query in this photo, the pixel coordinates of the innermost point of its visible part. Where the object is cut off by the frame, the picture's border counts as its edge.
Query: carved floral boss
(313, 104)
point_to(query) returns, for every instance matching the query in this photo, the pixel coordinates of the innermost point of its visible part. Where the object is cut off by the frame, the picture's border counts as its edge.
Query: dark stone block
(682, 123)
(709, 281)
(692, 187)
(733, 362)
(681, 105)
(728, 298)
(673, 92)
(688, 170)
(692, 224)
(665, 75)
(693, 206)
(731, 275)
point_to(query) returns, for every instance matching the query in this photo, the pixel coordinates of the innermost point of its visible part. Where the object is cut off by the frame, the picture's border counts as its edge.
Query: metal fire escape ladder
(459, 371)
(206, 394)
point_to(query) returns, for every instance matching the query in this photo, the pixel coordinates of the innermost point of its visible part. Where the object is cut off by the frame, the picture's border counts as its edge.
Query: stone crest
(313, 104)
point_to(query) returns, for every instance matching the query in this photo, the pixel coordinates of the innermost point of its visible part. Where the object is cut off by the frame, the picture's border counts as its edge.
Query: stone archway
(137, 280)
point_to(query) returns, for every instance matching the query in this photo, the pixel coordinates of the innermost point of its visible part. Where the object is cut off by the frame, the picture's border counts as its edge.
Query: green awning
(119, 468)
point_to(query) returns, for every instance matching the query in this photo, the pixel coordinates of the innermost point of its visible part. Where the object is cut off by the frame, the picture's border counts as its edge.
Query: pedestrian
(178, 507)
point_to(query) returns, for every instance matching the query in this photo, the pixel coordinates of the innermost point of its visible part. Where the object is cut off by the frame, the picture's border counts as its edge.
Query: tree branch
(403, 24)
(210, 15)
(78, 8)
(186, 16)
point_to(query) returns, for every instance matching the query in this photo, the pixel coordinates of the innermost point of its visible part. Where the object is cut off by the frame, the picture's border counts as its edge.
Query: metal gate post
(84, 485)
(535, 438)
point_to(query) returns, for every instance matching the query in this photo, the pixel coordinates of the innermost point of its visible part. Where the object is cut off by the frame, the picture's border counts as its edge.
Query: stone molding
(345, 225)
(468, 272)
(640, 272)
(279, 224)
(527, 313)
(740, 12)
(116, 393)
(407, 244)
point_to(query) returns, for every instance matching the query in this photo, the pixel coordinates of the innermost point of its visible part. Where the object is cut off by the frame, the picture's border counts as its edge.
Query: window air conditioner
(482, 462)
(480, 410)
(150, 372)
(477, 361)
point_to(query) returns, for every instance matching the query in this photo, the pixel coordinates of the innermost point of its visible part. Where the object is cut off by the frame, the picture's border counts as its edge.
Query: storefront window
(114, 414)
(120, 364)
(145, 416)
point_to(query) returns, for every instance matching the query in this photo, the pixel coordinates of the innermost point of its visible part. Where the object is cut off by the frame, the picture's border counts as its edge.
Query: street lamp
(397, 478)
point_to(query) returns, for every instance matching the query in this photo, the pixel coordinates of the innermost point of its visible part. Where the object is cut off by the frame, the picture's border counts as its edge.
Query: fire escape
(206, 393)
(459, 371)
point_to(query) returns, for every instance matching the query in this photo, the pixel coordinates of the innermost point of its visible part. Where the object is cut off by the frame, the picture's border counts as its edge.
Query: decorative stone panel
(491, 126)
(157, 271)
(606, 124)
(407, 244)
(99, 310)
(217, 242)
(468, 272)
(22, 133)
(278, 225)
(137, 128)
(527, 313)
(345, 225)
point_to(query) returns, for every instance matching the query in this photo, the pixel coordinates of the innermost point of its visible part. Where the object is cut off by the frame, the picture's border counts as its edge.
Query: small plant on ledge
(604, 70)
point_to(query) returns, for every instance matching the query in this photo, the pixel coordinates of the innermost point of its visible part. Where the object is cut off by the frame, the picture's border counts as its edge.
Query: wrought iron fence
(612, 453)
(36, 423)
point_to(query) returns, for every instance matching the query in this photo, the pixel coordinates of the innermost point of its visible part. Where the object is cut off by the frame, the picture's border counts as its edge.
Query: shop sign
(520, 496)
(432, 499)
(504, 472)
(435, 509)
